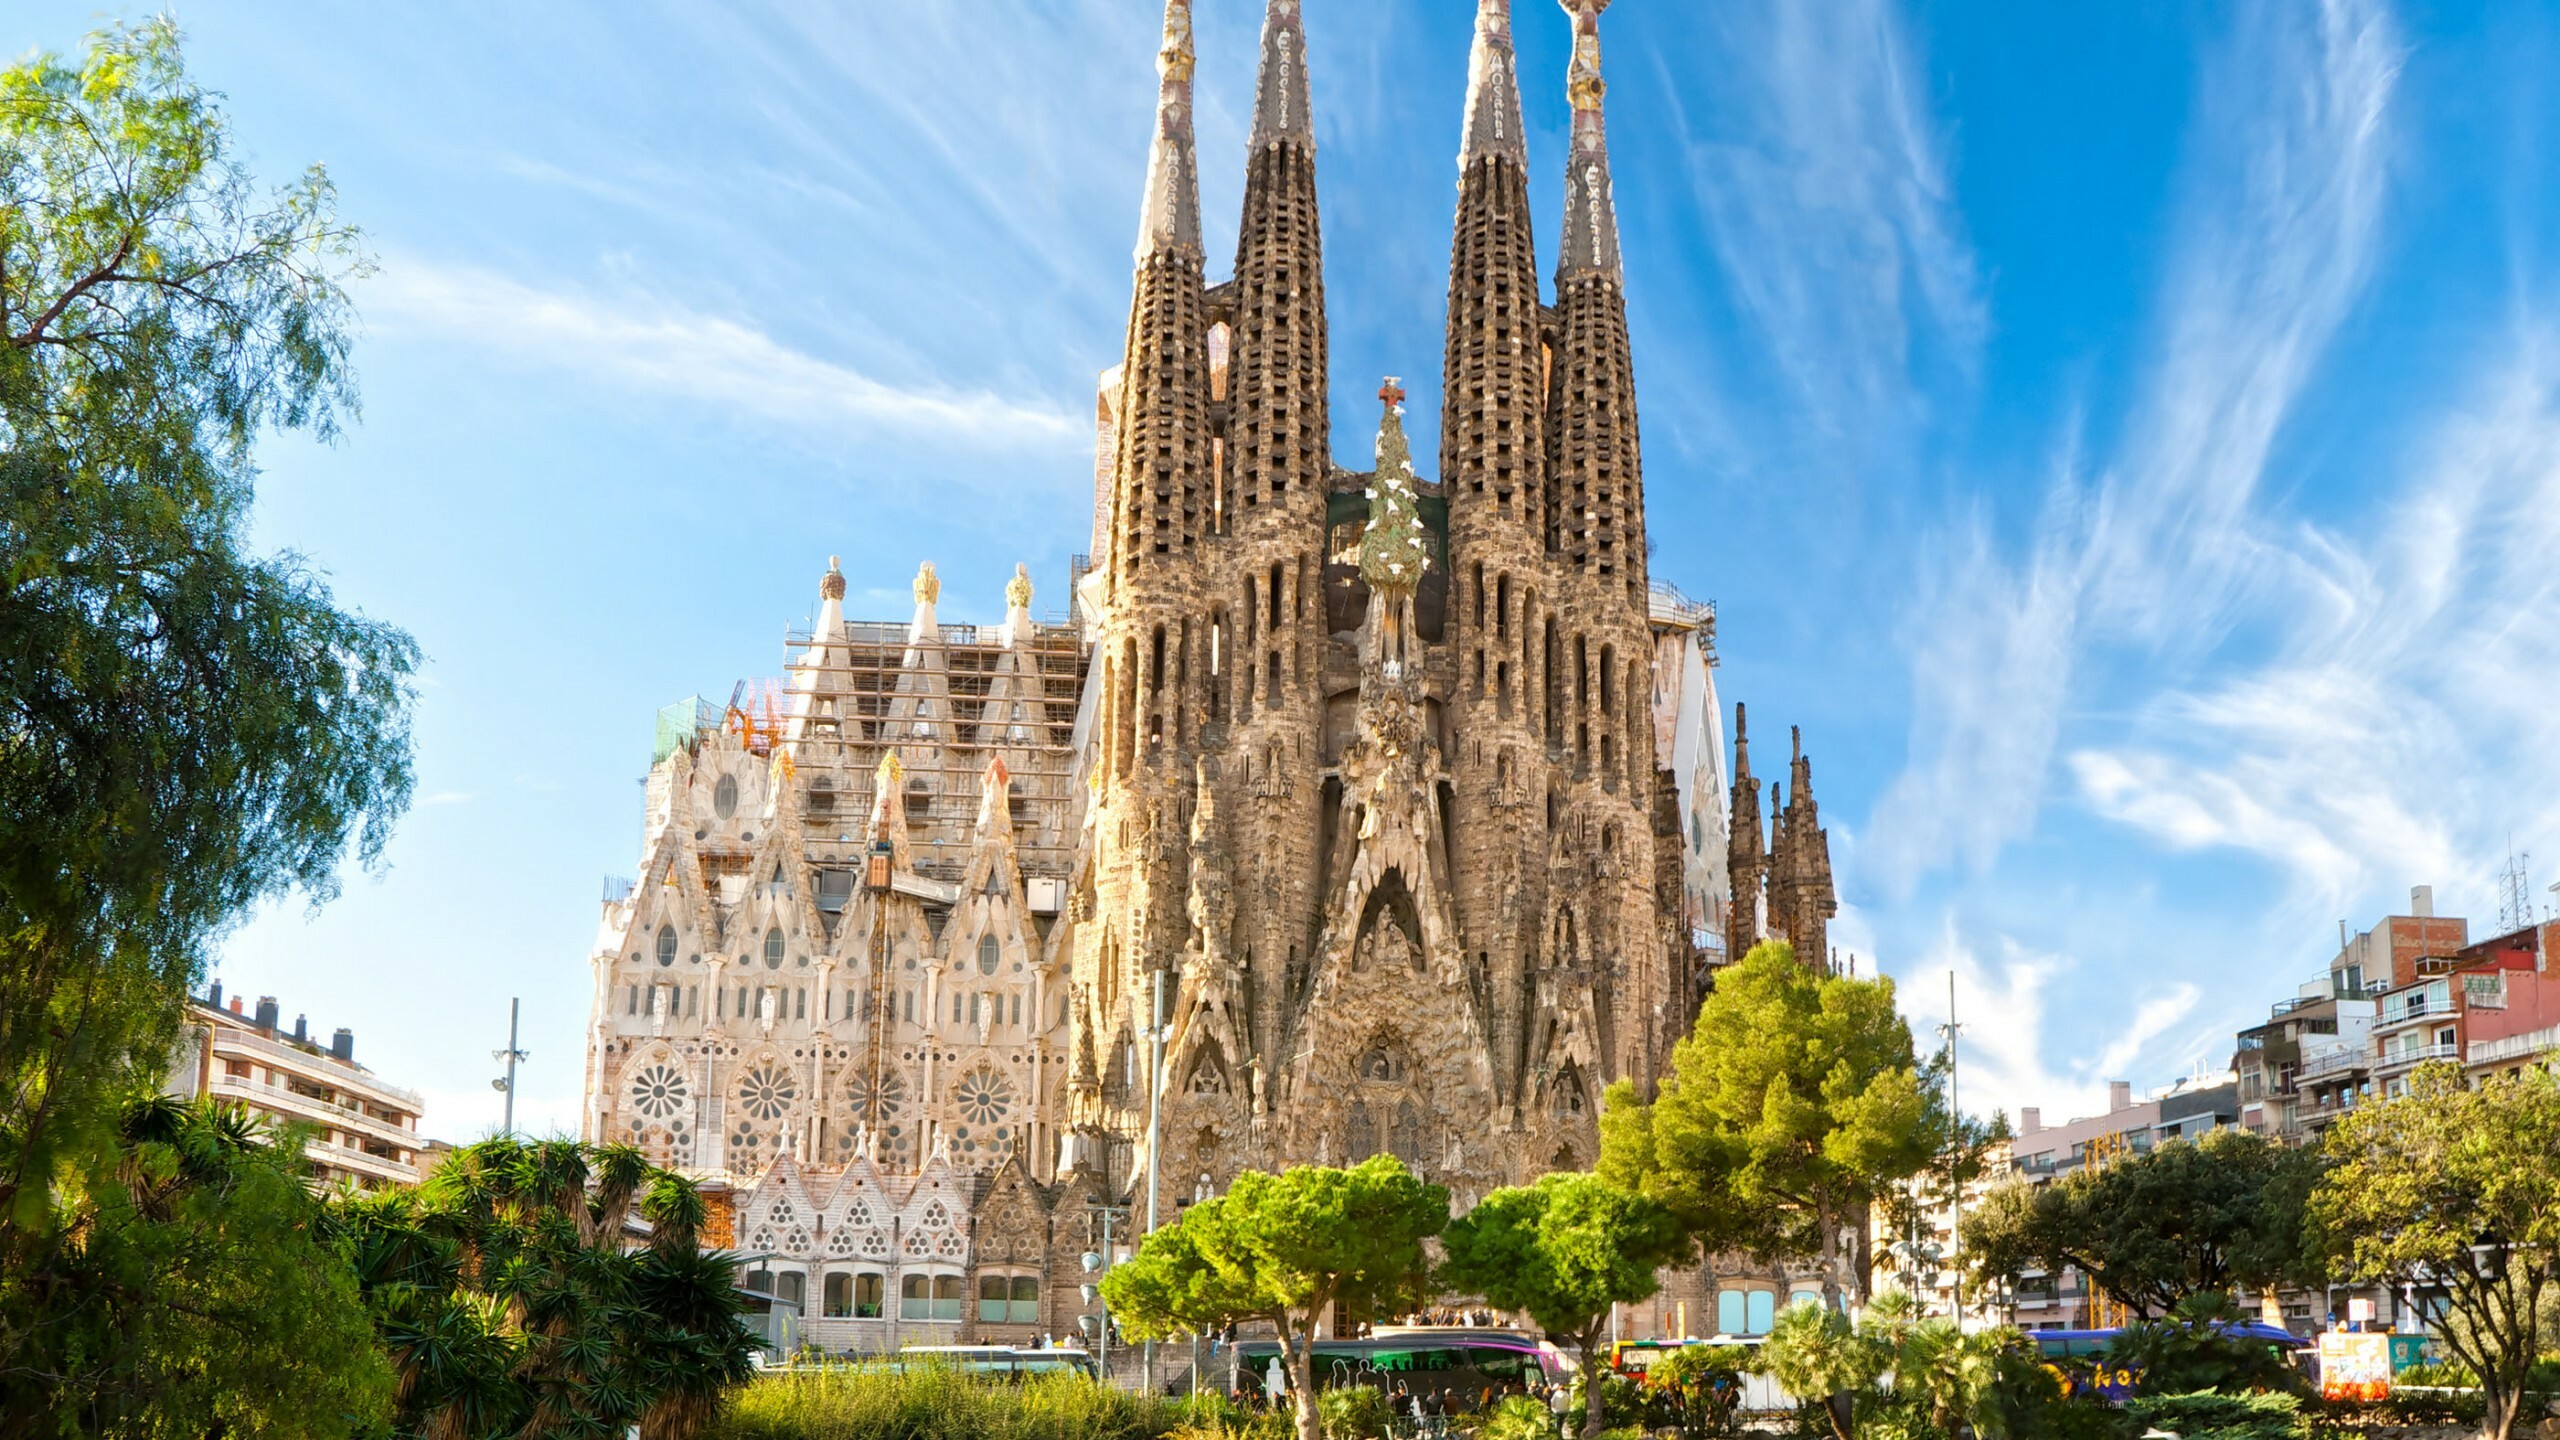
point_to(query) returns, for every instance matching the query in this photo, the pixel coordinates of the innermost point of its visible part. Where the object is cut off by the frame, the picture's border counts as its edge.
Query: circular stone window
(659, 1091)
(984, 1096)
(767, 1092)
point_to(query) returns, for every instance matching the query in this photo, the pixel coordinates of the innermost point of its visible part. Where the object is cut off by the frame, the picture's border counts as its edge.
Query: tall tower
(1269, 611)
(1153, 643)
(1493, 459)
(1599, 641)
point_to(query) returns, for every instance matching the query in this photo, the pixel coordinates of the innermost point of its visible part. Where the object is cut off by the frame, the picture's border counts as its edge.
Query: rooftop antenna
(2515, 892)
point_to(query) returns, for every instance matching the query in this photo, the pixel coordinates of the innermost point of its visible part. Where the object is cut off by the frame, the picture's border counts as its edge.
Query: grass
(930, 1403)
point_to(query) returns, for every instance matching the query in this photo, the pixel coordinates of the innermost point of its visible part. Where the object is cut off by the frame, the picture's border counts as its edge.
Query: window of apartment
(929, 1297)
(1008, 1300)
(236, 1069)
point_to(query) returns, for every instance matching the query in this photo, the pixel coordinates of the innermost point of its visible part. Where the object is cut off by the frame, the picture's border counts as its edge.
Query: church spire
(1280, 91)
(1590, 209)
(1746, 853)
(1493, 91)
(1170, 217)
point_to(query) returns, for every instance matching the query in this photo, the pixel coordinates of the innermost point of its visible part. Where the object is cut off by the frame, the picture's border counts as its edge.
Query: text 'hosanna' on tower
(1406, 793)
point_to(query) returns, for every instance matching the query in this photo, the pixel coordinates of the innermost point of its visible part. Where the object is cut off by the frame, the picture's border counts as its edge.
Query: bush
(1355, 1412)
(2205, 1415)
(931, 1402)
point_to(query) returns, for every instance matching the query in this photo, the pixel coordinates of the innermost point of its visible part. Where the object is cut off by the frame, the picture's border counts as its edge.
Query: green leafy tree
(1279, 1250)
(2190, 1218)
(2460, 1185)
(199, 1291)
(1793, 1105)
(509, 1305)
(1564, 1252)
(184, 728)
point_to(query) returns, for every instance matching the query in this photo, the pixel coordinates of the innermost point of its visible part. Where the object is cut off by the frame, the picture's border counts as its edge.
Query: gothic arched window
(666, 945)
(990, 952)
(1404, 1137)
(724, 797)
(773, 948)
(1360, 1134)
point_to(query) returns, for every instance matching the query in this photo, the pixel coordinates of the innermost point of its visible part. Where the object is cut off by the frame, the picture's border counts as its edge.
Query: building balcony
(318, 1065)
(353, 1161)
(2414, 1055)
(2333, 1061)
(324, 1114)
(2513, 1047)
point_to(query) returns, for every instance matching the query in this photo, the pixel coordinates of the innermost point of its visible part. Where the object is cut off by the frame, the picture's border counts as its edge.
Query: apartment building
(363, 1131)
(2041, 1154)
(2516, 1023)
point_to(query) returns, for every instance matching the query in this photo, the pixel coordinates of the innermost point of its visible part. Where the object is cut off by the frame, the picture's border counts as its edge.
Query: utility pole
(1095, 1264)
(1155, 1034)
(1955, 1156)
(507, 1085)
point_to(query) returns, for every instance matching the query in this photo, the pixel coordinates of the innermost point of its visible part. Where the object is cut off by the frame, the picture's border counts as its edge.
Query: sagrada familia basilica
(1390, 811)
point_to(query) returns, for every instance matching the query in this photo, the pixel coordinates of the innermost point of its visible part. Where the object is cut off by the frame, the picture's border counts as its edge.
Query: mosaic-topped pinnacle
(1493, 91)
(1169, 219)
(831, 584)
(1590, 204)
(1392, 553)
(1280, 110)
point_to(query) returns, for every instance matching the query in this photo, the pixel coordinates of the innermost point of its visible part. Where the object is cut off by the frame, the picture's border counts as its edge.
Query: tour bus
(1004, 1362)
(2118, 1385)
(1635, 1359)
(1461, 1365)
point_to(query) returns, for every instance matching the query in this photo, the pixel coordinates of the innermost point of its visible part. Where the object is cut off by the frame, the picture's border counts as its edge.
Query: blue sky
(2125, 437)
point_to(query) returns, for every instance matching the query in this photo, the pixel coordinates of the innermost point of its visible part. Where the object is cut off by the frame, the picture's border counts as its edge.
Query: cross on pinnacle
(1391, 392)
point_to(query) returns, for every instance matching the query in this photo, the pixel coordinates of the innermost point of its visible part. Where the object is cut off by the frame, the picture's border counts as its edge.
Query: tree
(2189, 1218)
(1279, 1250)
(185, 728)
(1565, 1251)
(508, 1304)
(2460, 1187)
(1813, 1350)
(1794, 1103)
(199, 1291)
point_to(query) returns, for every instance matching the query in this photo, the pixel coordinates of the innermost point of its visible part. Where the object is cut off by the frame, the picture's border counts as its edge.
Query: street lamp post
(506, 1085)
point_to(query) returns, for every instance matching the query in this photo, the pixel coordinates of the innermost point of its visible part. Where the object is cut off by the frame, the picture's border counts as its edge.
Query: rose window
(660, 1091)
(767, 1093)
(936, 1215)
(872, 1105)
(984, 1096)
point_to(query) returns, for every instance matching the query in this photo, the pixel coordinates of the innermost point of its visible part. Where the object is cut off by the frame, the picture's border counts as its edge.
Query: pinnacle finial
(1169, 219)
(1493, 91)
(831, 584)
(1017, 591)
(928, 586)
(1590, 206)
(1392, 553)
(1280, 106)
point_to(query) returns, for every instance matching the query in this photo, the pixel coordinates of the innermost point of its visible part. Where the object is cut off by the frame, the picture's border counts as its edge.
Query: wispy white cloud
(444, 797)
(2164, 549)
(2409, 718)
(652, 344)
(1824, 192)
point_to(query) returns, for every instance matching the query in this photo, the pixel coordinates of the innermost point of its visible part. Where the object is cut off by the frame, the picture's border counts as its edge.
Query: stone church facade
(1391, 806)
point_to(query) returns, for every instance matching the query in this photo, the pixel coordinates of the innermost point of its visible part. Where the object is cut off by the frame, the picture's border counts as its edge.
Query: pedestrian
(1559, 1401)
